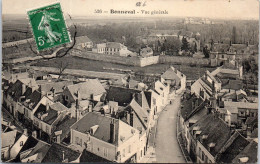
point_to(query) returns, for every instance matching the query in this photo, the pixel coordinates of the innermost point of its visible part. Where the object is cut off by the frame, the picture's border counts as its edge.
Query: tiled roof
(142, 115)
(187, 111)
(171, 74)
(82, 39)
(51, 114)
(148, 96)
(121, 95)
(232, 148)
(55, 154)
(41, 149)
(30, 143)
(87, 156)
(250, 152)
(216, 129)
(58, 86)
(254, 133)
(64, 126)
(233, 84)
(86, 89)
(8, 138)
(245, 105)
(103, 131)
(34, 98)
(114, 45)
(251, 120)
(15, 91)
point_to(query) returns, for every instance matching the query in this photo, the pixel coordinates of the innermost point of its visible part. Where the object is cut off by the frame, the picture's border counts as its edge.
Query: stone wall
(183, 60)
(141, 62)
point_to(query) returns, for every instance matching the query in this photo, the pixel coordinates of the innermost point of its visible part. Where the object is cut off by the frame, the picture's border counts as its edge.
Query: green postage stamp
(48, 26)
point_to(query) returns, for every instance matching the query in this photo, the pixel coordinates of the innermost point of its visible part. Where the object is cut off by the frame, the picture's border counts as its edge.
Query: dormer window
(21, 143)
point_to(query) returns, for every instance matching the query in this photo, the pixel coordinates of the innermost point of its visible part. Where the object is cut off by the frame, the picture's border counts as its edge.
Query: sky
(229, 9)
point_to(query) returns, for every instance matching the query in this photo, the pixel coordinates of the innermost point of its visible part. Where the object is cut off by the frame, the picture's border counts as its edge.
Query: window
(105, 152)
(47, 129)
(199, 152)
(66, 97)
(206, 159)
(154, 101)
(76, 140)
(203, 156)
(123, 154)
(2, 155)
(129, 149)
(21, 143)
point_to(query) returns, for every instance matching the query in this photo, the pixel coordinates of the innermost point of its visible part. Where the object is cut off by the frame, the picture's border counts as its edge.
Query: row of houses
(218, 120)
(110, 121)
(110, 48)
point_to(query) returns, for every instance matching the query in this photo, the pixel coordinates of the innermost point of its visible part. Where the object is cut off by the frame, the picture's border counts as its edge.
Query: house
(53, 90)
(248, 154)
(14, 142)
(14, 94)
(107, 137)
(146, 52)
(89, 90)
(61, 133)
(121, 95)
(240, 111)
(8, 140)
(28, 105)
(194, 108)
(12, 77)
(206, 85)
(163, 90)
(235, 145)
(208, 136)
(58, 153)
(112, 48)
(83, 42)
(46, 117)
(174, 78)
(87, 156)
(36, 153)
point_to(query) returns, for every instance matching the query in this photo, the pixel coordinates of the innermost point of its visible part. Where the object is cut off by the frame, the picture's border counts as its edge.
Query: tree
(62, 66)
(172, 45)
(185, 44)
(234, 35)
(206, 51)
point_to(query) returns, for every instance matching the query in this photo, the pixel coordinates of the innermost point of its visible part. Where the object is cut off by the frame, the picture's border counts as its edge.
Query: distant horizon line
(148, 17)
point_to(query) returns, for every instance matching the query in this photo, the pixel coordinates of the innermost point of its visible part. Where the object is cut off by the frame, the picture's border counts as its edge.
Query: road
(167, 148)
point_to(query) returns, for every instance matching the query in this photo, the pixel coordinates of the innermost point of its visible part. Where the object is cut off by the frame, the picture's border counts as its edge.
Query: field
(90, 65)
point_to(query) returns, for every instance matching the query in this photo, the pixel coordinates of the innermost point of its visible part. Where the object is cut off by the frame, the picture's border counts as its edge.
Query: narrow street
(167, 148)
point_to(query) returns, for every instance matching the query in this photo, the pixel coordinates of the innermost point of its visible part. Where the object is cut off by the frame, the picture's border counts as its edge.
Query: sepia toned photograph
(129, 81)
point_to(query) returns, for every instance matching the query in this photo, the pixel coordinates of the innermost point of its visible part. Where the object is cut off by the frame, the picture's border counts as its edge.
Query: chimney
(47, 106)
(34, 134)
(58, 138)
(63, 155)
(25, 132)
(192, 105)
(211, 146)
(78, 95)
(131, 119)
(90, 108)
(23, 88)
(112, 131)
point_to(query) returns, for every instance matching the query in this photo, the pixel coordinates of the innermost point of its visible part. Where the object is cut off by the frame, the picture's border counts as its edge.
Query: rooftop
(86, 89)
(121, 95)
(216, 129)
(56, 151)
(232, 148)
(250, 152)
